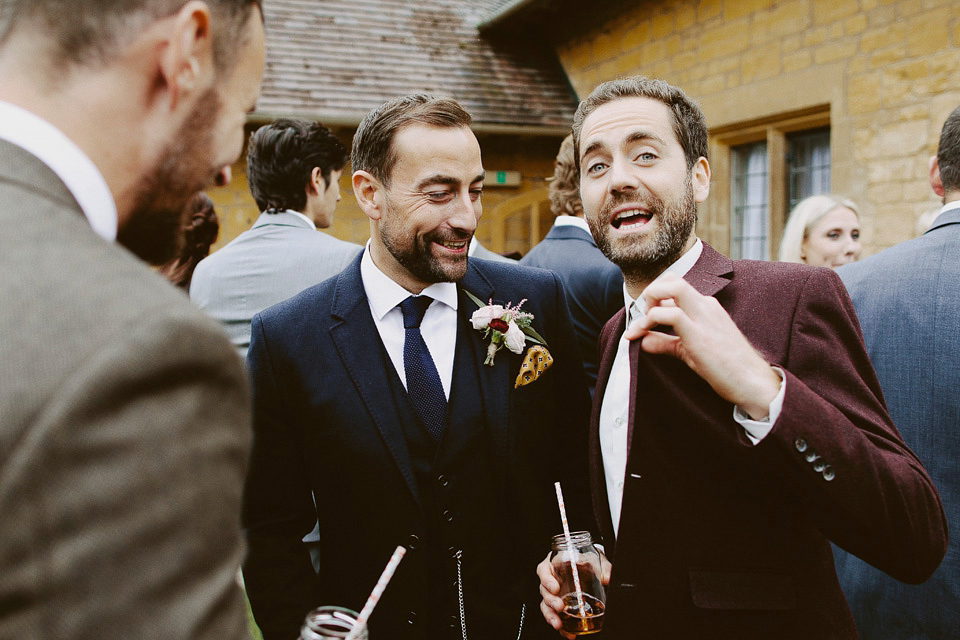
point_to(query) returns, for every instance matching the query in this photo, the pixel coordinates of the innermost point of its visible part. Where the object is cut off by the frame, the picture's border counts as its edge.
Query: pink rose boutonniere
(506, 326)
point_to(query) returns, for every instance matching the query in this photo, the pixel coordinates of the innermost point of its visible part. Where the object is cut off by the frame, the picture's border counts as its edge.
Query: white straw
(570, 550)
(376, 593)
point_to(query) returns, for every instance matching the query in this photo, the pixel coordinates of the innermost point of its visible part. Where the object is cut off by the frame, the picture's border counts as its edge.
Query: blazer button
(454, 621)
(819, 465)
(811, 456)
(448, 515)
(828, 473)
(800, 444)
(413, 541)
(412, 617)
(443, 480)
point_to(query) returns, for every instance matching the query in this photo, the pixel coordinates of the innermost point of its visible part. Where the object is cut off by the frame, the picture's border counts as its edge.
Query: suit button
(412, 617)
(448, 515)
(443, 480)
(828, 473)
(413, 541)
(454, 622)
(819, 465)
(811, 456)
(800, 444)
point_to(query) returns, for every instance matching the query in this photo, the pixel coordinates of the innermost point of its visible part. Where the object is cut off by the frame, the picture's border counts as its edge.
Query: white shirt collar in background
(571, 221)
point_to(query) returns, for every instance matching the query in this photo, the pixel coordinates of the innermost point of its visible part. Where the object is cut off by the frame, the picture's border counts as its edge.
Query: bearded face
(154, 230)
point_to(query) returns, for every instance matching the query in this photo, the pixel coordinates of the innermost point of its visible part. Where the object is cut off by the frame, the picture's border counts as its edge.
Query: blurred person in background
(823, 231)
(199, 234)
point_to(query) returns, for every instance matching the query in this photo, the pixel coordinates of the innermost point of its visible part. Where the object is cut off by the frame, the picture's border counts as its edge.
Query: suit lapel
(495, 383)
(711, 273)
(353, 331)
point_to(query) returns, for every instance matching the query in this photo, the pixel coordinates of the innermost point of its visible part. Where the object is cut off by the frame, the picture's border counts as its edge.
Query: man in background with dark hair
(374, 393)
(293, 168)
(908, 303)
(124, 414)
(593, 284)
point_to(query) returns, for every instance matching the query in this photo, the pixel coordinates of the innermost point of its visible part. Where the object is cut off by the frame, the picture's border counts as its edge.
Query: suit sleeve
(839, 449)
(278, 507)
(140, 508)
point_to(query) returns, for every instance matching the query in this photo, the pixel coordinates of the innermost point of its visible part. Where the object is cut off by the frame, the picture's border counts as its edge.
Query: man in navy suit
(593, 284)
(909, 307)
(372, 392)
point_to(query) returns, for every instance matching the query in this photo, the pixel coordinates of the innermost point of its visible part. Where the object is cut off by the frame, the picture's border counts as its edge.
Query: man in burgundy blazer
(738, 426)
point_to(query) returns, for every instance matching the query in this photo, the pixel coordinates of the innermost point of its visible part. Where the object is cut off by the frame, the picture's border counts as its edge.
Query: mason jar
(330, 623)
(581, 615)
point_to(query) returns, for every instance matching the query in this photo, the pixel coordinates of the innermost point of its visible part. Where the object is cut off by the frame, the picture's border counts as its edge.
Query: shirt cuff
(757, 430)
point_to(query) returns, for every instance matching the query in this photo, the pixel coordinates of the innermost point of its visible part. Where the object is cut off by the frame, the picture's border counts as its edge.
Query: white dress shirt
(438, 328)
(82, 178)
(571, 221)
(615, 410)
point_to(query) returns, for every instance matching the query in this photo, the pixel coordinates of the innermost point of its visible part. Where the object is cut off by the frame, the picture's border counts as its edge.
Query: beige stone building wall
(884, 73)
(531, 156)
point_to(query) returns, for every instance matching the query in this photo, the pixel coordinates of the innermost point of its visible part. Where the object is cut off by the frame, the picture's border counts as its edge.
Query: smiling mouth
(630, 218)
(453, 245)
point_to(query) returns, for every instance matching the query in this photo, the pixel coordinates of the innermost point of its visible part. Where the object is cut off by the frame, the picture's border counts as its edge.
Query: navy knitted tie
(423, 382)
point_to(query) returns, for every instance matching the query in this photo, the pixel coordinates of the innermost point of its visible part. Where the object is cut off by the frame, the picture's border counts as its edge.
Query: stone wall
(887, 71)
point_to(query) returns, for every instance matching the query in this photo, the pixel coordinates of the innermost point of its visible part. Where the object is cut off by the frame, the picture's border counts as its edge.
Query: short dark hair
(91, 32)
(689, 123)
(564, 188)
(948, 152)
(373, 150)
(281, 157)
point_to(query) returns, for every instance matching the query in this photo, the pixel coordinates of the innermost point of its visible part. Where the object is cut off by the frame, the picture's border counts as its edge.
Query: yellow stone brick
(610, 70)
(928, 32)
(633, 60)
(858, 64)
(656, 50)
(907, 8)
(686, 17)
(733, 79)
(882, 192)
(882, 16)
(834, 51)
(863, 94)
(637, 35)
(687, 60)
(826, 11)
(887, 57)
(605, 47)
(882, 38)
(901, 138)
(760, 64)
(673, 45)
(782, 20)
(709, 9)
(796, 61)
(577, 57)
(725, 39)
(712, 84)
(791, 43)
(662, 25)
(742, 8)
(956, 34)
(889, 170)
(814, 37)
(855, 25)
(722, 65)
(939, 75)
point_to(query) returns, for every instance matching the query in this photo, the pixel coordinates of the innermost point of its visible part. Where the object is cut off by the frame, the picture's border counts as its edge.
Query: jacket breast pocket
(744, 591)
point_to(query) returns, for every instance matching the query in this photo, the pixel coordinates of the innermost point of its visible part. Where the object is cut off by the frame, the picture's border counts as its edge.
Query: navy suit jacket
(327, 424)
(593, 285)
(908, 302)
(722, 539)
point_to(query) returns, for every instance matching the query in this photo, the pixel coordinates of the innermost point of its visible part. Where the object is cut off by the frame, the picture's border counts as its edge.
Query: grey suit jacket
(124, 435)
(280, 256)
(483, 253)
(908, 301)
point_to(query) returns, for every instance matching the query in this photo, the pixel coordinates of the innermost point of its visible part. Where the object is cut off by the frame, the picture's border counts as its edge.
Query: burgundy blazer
(722, 539)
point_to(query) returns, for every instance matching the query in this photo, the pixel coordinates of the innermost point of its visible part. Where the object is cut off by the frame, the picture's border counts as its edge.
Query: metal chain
(463, 616)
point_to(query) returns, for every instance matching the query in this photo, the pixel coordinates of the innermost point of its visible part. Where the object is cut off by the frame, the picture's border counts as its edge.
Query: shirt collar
(571, 221)
(681, 267)
(384, 294)
(950, 206)
(77, 171)
(300, 215)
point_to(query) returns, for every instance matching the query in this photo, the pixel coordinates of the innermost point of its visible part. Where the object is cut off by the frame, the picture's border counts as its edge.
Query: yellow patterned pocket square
(537, 360)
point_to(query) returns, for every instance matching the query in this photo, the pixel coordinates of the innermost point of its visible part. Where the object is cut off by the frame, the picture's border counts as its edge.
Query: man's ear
(935, 182)
(316, 185)
(369, 194)
(187, 62)
(701, 179)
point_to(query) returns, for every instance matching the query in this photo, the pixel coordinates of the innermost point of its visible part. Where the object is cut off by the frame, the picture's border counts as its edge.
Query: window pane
(808, 161)
(749, 234)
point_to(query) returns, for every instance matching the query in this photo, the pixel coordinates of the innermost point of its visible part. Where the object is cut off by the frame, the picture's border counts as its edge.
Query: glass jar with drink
(582, 610)
(331, 623)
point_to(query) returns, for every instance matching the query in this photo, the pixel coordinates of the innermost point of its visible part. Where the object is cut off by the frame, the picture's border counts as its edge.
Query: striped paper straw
(570, 550)
(376, 593)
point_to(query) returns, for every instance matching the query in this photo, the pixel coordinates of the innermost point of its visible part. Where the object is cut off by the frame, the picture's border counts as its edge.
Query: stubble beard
(414, 253)
(155, 228)
(643, 257)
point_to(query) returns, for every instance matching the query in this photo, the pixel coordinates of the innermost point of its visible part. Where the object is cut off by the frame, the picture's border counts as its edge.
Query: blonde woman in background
(823, 231)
